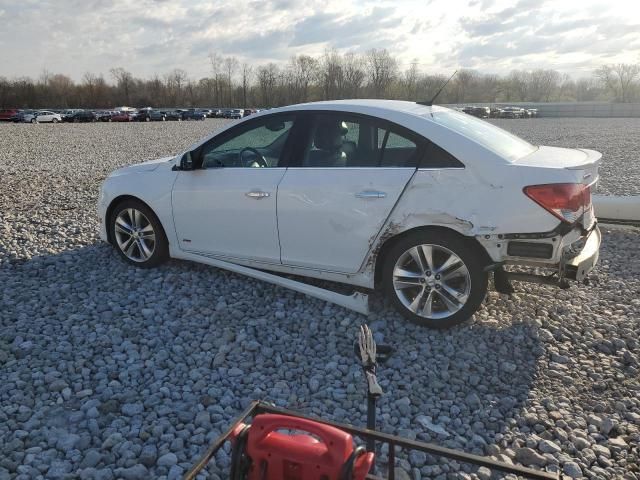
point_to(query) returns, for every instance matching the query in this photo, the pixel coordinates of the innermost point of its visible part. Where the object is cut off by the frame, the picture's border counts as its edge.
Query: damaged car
(423, 202)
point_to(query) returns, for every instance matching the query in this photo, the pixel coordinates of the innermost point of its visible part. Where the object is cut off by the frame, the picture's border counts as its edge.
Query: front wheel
(33, 120)
(434, 278)
(138, 235)
(55, 120)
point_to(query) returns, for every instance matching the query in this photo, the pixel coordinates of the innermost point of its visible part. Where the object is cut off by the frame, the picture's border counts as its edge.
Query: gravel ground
(615, 138)
(108, 371)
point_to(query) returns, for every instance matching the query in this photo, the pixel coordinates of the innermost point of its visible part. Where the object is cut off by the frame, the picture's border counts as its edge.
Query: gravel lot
(108, 371)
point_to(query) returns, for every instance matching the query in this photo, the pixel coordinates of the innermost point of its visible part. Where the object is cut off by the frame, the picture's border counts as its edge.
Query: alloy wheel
(431, 281)
(135, 235)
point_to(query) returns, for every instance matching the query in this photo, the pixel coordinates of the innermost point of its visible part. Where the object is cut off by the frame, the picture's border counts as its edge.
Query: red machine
(280, 447)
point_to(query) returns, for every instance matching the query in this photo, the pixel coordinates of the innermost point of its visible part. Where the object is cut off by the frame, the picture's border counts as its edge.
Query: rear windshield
(494, 138)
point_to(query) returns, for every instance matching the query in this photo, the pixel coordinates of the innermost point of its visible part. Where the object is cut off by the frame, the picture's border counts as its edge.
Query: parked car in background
(69, 113)
(103, 115)
(46, 116)
(84, 116)
(149, 116)
(494, 112)
(193, 114)
(420, 200)
(218, 113)
(480, 112)
(173, 115)
(23, 116)
(532, 112)
(249, 111)
(7, 114)
(236, 113)
(512, 112)
(122, 117)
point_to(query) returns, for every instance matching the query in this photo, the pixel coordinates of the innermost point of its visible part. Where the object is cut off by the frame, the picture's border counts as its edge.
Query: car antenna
(430, 102)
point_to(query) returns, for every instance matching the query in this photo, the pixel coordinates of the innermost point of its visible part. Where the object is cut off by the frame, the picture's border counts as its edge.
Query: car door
(44, 116)
(340, 188)
(226, 205)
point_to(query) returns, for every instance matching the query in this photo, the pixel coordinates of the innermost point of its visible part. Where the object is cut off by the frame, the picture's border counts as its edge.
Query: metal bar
(617, 208)
(215, 446)
(358, 301)
(392, 461)
(371, 421)
(415, 445)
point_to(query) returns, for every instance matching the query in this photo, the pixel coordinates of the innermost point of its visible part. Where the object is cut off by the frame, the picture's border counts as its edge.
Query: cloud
(156, 36)
(336, 31)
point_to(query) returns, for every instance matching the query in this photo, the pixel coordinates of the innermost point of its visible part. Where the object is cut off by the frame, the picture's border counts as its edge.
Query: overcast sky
(155, 36)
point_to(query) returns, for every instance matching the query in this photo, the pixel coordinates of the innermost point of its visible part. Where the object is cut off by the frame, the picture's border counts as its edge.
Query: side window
(341, 140)
(436, 157)
(399, 151)
(258, 144)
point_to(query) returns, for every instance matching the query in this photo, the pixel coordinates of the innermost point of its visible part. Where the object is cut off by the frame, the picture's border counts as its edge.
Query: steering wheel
(260, 160)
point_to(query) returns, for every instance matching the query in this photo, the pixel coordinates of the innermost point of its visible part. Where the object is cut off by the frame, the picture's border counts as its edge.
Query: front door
(226, 206)
(334, 200)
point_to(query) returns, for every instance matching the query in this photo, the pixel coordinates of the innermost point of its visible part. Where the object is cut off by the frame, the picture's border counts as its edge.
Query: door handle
(371, 194)
(257, 194)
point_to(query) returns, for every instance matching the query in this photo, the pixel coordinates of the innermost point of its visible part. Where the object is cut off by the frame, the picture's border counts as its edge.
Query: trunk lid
(583, 162)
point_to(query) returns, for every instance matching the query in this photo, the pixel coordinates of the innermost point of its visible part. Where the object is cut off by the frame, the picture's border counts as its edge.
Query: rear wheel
(434, 278)
(138, 235)
(55, 120)
(33, 120)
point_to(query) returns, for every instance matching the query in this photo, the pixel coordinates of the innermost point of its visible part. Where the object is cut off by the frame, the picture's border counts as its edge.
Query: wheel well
(390, 242)
(117, 201)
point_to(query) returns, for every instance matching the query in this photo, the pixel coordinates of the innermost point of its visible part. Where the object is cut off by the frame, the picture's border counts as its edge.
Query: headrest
(329, 134)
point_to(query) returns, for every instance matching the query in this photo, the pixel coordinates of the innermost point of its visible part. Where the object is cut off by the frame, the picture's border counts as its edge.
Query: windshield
(494, 138)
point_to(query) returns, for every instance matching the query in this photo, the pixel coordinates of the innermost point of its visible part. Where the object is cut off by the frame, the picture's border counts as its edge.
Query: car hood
(148, 166)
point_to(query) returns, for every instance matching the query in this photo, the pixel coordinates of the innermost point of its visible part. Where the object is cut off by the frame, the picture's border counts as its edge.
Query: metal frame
(357, 301)
(258, 407)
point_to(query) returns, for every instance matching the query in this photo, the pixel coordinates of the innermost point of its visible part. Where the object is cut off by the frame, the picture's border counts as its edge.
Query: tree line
(374, 74)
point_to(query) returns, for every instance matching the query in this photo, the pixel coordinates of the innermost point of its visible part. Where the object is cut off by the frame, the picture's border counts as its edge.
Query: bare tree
(230, 67)
(267, 78)
(330, 74)
(353, 75)
(216, 69)
(462, 84)
(619, 79)
(124, 82)
(246, 73)
(383, 69)
(304, 70)
(409, 82)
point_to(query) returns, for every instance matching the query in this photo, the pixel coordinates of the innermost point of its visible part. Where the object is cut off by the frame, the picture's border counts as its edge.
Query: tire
(148, 119)
(33, 120)
(451, 301)
(55, 120)
(148, 246)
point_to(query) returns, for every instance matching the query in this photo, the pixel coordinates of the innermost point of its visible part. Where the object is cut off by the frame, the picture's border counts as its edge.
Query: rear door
(344, 180)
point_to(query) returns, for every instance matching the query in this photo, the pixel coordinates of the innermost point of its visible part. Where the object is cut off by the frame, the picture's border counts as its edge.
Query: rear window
(493, 138)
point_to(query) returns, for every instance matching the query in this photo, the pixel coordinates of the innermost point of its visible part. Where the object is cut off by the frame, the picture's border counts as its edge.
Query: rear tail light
(567, 201)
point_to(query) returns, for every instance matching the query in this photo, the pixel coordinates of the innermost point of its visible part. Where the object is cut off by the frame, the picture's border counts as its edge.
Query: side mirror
(186, 162)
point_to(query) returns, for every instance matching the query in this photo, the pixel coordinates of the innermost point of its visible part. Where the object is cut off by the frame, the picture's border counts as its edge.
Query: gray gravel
(108, 371)
(615, 138)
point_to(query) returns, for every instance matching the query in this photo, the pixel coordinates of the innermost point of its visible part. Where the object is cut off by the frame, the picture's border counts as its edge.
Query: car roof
(365, 106)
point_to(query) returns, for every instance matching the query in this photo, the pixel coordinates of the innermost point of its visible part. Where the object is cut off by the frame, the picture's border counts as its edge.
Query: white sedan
(45, 116)
(422, 201)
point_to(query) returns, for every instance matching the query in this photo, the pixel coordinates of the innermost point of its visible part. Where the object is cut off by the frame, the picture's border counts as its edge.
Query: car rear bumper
(578, 266)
